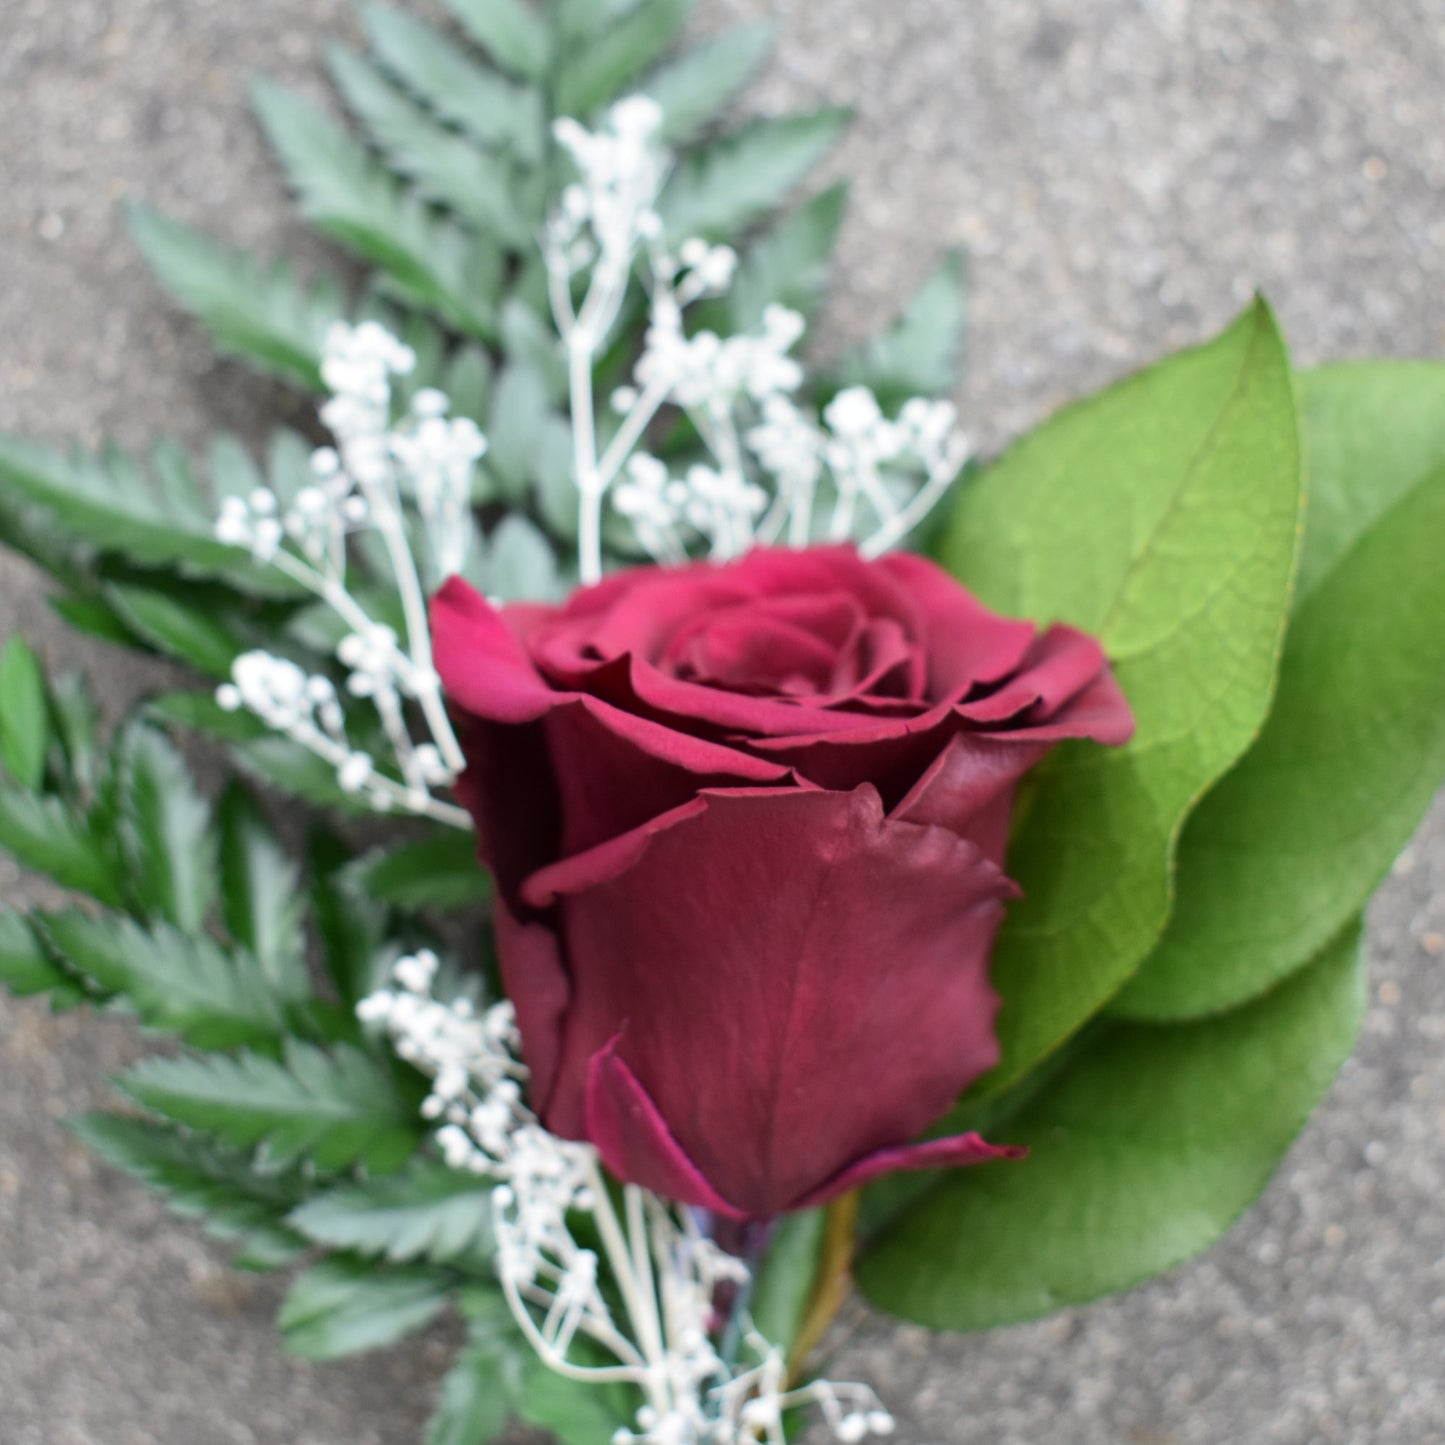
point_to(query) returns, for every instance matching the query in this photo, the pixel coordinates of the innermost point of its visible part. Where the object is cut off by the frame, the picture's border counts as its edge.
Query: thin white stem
(584, 453)
(630, 432)
(905, 520)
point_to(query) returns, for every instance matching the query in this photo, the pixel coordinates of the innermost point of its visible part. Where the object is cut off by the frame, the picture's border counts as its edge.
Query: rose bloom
(747, 825)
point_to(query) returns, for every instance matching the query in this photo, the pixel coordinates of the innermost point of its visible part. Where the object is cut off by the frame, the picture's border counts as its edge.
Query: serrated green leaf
(788, 264)
(694, 89)
(353, 926)
(45, 836)
(165, 831)
(199, 1181)
(26, 968)
(24, 715)
(440, 871)
(261, 314)
(477, 1395)
(919, 355)
(604, 67)
(519, 410)
(1160, 516)
(187, 624)
(110, 508)
(578, 19)
(261, 900)
(348, 195)
(458, 88)
(77, 727)
(444, 168)
(337, 1108)
(1143, 1153)
(1293, 842)
(180, 982)
(344, 1307)
(577, 1412)
(722, 188)
(427, 1212)
(510, 31)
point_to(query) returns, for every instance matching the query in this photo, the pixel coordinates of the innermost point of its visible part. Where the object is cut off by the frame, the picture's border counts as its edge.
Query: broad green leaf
(1293, 842)
(26, 967)
(45, 836)
(115, 510)
(1162, 517)
(1143, 1153)
(24, 719)
(919, 355)
(344, 1307)
(444, 168)
(185, 623)
(347, 194)
(440, 871)
(1371, 430)
(261, 901)
(478, 1394)
(262, 315)
(787, 1276)
(603, 67)
(694, 89)
(426, 1212)
(183, 983)
(722, 188)
(337, 1108)
(788, 264)
(221, 1187)
(512, 32)
(165, 831)
(458, 88)
(521, 564)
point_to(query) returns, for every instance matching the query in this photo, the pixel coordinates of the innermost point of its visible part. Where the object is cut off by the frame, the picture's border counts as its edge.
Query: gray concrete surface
(1124, 172)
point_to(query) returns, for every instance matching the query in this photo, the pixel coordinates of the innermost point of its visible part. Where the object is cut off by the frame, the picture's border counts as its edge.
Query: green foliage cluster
(1183, 977)
(1180, 982)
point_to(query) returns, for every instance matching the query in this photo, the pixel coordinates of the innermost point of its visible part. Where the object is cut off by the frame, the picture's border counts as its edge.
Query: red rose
(747, 825)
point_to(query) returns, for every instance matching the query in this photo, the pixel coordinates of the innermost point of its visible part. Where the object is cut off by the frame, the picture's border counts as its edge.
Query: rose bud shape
(747, 824)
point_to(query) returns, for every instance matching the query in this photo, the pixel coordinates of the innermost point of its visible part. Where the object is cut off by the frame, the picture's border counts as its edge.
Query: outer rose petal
(794, 980)
(636, 1144)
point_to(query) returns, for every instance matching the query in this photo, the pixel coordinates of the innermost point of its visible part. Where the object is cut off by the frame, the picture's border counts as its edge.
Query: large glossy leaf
(1144, 1151)
(722, 188)
(262, 315)
(1161, 516)
(1296, 838)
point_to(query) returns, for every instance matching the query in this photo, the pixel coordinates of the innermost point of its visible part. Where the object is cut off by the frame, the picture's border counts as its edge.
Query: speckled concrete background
(1124, 172)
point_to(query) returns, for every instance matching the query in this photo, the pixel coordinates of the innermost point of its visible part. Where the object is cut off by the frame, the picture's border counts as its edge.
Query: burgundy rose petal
(797, 980)
(483, 665)
(535, 979)
(955, 1152)
(635, 1142)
